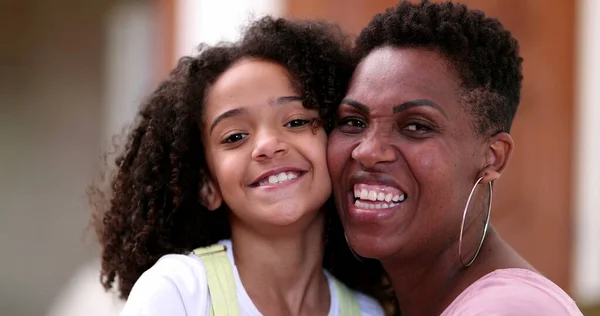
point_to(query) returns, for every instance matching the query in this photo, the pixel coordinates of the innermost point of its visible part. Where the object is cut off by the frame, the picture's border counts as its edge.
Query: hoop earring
(485, 228)
(352, 250)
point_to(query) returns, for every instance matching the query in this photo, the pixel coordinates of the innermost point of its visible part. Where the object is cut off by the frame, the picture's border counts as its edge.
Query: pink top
(507, 292)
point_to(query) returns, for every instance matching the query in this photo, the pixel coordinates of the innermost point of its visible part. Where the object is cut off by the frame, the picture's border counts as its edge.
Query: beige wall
(51, 83)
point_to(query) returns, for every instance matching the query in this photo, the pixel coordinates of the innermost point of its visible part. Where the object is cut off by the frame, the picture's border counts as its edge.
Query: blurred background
(72, 74)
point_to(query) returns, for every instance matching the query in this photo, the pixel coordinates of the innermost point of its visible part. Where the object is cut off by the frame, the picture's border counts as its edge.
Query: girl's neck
(283, 274)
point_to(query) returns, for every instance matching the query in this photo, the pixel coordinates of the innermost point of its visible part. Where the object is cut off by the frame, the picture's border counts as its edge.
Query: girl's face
(267, 161)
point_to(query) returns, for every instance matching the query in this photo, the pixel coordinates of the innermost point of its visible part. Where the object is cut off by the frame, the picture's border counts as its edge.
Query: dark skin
(403, 127)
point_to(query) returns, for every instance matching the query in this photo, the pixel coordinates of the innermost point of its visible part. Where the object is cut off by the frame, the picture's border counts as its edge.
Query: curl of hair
(483, 53)
(154, 207)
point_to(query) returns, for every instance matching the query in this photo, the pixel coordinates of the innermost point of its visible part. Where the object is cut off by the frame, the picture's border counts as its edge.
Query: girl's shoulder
(511, 292)
(186, 271)
(176, 285)
(368, 305)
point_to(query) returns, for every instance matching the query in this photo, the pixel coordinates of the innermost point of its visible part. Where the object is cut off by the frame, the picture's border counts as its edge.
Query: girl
(230, 152)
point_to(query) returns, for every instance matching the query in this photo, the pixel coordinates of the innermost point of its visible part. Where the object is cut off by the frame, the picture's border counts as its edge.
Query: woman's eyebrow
(418, 102)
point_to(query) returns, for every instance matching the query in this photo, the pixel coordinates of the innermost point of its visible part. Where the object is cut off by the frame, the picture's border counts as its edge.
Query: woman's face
(267, 161)
(404, 156)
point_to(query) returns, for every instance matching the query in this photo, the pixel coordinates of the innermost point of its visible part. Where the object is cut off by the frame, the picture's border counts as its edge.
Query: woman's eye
(417, 127)
(351, 125)
(234, 138)
(354, 123)
(297, 123)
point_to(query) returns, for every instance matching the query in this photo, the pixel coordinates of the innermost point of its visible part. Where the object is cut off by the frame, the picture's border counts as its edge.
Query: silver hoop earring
(352, 250)
(485, 228)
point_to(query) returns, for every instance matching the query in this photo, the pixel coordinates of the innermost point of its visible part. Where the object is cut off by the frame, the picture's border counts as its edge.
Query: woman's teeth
(381, 197)
(364, 205)
(371, 195)
(279, 178)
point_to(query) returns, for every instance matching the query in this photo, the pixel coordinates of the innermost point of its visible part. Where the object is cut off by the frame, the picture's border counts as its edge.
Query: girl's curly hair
(153, 205)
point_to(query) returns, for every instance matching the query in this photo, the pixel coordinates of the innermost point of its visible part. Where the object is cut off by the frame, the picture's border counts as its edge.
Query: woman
(421, 135)
(218, 204)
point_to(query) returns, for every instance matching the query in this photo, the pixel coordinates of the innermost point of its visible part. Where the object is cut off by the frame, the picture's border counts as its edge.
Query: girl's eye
(234, 138)
(297, 123)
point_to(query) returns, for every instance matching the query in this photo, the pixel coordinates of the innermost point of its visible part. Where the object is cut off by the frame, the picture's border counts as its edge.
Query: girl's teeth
(279, 178)
(282, 177)
(388, 197)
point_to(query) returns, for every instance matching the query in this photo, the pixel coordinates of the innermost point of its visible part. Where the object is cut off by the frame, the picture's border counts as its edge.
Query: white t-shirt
(177, 285)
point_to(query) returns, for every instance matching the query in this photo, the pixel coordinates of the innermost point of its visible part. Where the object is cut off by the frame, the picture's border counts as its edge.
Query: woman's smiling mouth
(373, 201)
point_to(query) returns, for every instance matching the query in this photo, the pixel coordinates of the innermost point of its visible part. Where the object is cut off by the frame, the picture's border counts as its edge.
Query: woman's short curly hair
(483, 53)
(153, 205)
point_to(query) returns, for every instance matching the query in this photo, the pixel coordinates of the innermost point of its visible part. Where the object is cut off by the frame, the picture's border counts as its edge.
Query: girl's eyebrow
(227, 114)
(286, 99)
(239, 111)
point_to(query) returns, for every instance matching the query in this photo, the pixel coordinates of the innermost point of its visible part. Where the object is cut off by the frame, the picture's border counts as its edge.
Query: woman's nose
(374, 149)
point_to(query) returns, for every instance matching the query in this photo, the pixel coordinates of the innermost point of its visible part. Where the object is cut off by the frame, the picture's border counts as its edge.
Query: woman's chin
(370, 247)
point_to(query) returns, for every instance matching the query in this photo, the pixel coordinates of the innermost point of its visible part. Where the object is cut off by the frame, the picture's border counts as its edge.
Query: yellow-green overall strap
(347, 300)
(221, 283)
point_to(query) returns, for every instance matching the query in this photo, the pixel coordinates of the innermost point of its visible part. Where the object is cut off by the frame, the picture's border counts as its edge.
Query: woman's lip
(370, 178)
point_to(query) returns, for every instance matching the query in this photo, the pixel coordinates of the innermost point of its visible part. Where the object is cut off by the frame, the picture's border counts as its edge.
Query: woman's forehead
(399, 74)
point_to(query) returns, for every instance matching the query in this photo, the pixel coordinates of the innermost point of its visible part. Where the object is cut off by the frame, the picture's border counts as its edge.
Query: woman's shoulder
(175, 285)
(510, 291)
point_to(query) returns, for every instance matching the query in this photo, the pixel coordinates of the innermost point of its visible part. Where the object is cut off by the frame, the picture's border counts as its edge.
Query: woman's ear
(497, 155)
(210, 196)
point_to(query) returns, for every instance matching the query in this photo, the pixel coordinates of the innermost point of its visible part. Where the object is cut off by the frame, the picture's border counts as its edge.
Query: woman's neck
(428, 286)
(283, 274)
